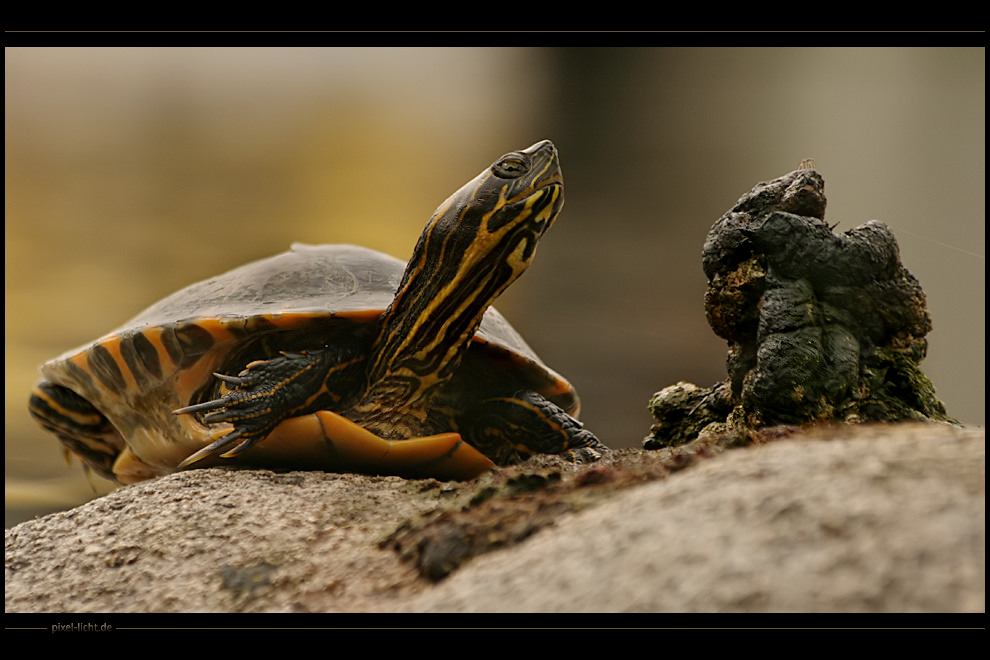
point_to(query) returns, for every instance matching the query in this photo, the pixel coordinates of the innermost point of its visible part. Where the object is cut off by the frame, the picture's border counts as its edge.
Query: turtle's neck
(474, 246)
(428, 328)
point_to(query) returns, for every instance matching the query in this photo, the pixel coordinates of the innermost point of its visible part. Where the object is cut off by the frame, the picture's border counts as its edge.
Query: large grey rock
(885, 524)
(865, 519)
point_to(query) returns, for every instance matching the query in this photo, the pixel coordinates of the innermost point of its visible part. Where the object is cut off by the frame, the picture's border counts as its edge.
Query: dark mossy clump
(821, 327)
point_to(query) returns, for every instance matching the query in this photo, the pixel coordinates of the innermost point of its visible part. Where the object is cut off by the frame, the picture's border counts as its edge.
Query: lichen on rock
(821, 327)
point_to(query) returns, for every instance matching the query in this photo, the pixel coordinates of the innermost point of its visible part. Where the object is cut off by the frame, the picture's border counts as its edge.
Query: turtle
(336, 357)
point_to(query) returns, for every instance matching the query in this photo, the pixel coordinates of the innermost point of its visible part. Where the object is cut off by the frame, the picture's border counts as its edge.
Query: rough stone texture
(847, 525)
(218, 540)
(854, 519)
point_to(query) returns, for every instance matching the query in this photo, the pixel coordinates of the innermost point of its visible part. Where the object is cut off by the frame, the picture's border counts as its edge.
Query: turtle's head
(487, 231)
(474, 246)
(485, 234)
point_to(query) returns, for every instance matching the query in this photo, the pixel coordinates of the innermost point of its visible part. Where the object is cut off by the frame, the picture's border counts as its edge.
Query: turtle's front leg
(263, 395)
(508, 428)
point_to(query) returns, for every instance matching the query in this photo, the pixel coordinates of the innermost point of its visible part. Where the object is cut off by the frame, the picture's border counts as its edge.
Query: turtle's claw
(583, 454)
(200, 407)
(214, 448)
(238, 380)
(240, 448)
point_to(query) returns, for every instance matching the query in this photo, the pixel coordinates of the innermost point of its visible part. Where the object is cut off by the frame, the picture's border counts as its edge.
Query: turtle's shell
(166, 356)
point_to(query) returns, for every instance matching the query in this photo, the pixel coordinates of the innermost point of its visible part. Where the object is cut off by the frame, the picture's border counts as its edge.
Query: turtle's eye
(510, 167)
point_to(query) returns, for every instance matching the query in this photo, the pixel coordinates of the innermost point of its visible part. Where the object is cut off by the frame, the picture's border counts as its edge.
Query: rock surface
(850, 519)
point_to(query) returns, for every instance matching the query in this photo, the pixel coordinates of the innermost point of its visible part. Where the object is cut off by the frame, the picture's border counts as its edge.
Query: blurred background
(131, 173)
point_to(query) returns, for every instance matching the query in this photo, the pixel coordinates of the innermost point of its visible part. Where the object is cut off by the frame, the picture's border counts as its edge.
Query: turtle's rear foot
(584, 447)
(509, 428)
